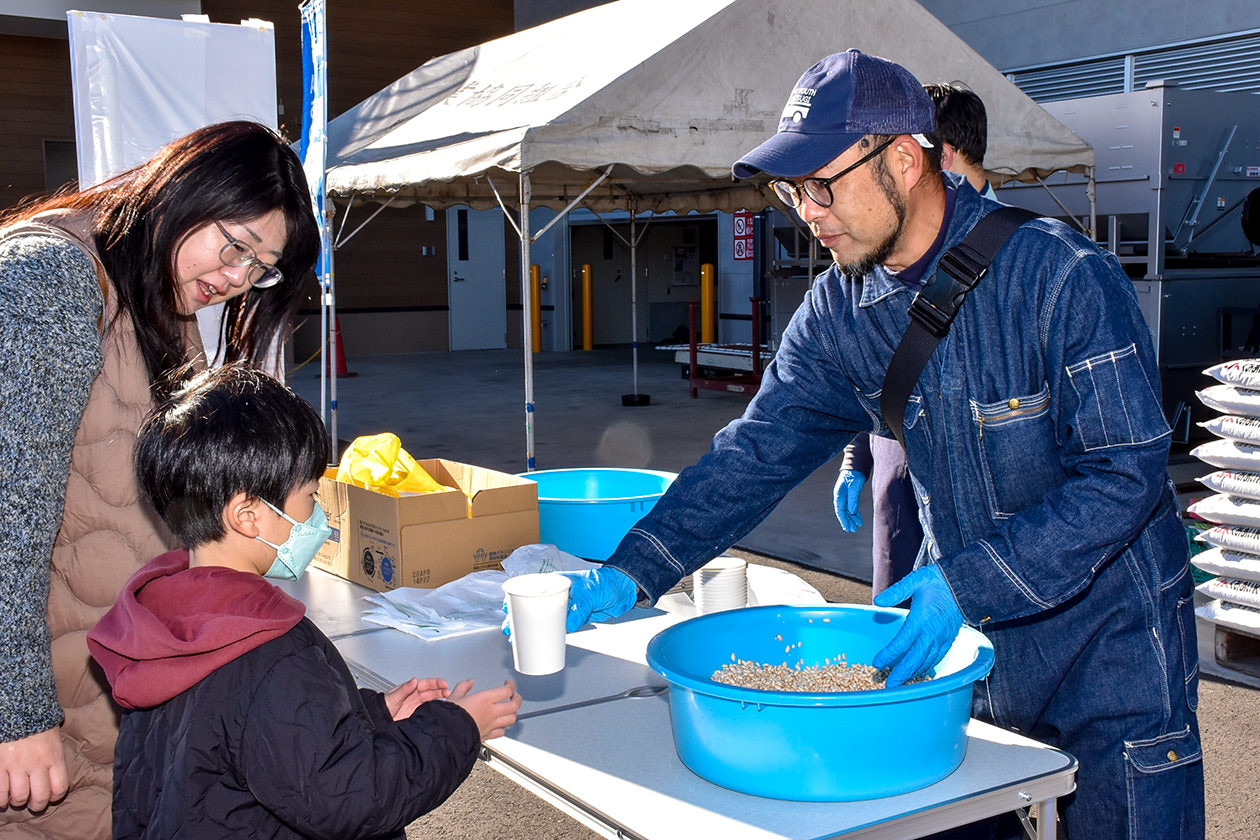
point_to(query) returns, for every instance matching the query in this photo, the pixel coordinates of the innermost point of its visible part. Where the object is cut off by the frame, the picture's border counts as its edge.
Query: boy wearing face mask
(242, 720)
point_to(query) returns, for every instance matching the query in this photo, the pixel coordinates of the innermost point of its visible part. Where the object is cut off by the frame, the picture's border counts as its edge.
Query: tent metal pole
(575, 201)
(345, 219)
(328, 321)
(363, 224)
(335, 336)
(635, 398)
(527, 338)
(324, 298)
(1092, 191)
(507, 214)
(813, 257)
(634, 299)
(1088, 230)
(616, 233)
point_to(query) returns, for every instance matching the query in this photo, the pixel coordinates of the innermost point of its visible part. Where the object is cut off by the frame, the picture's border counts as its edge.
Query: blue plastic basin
(813, 747)
(586, 512)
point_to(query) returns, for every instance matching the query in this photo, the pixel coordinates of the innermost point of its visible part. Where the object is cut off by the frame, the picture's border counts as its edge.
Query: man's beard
(881, 252)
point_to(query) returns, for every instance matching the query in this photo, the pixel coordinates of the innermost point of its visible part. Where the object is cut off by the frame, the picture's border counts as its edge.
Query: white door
(474, 279)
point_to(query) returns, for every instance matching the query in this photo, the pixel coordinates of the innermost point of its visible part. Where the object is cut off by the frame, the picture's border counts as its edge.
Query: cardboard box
(427, 540)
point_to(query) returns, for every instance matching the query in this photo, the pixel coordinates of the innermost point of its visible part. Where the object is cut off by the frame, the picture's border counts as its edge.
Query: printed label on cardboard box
(425, 541)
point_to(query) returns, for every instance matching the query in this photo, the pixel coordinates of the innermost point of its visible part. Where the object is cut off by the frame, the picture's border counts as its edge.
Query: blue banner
(313, 147)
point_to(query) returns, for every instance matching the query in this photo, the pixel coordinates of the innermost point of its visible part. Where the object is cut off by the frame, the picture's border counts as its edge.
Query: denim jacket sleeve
(802, 416)
(1110, 436)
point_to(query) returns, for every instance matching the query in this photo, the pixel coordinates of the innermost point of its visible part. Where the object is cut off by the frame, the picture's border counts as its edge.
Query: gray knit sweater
(50, 353)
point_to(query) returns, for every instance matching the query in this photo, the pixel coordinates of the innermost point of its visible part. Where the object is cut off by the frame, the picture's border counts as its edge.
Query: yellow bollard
(535, 315)
(588, 325)
(706, 304)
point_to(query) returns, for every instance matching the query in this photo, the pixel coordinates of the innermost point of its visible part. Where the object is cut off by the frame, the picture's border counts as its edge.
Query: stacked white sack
(1234, 510)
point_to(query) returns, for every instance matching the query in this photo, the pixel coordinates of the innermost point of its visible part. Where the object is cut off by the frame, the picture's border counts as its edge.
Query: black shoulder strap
(934, 307)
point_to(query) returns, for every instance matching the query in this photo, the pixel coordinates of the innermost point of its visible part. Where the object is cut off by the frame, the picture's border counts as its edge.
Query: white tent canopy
(644, 105)
(668, 94)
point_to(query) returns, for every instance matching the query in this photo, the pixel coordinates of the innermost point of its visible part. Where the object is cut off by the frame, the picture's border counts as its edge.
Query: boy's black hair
(225, 431)
(961, 120)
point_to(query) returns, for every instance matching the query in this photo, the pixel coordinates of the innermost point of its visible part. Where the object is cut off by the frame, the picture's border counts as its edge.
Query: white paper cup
(721, 584)
(537, 607)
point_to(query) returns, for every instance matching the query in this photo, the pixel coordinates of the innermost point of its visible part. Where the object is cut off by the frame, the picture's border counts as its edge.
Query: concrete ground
(470, 407)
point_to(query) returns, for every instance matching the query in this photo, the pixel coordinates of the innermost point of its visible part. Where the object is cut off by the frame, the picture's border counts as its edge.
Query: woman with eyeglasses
(99, 291)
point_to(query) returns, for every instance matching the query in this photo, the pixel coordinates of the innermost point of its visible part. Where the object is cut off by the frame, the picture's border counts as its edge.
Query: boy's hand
(33, 771)
(494, 710)
(406, 698)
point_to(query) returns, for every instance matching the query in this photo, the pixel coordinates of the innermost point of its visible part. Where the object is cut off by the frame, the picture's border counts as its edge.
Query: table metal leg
(1047, 822)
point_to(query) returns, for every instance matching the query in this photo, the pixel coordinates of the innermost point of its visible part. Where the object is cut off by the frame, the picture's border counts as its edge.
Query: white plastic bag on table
(468, 605)
(532, 559)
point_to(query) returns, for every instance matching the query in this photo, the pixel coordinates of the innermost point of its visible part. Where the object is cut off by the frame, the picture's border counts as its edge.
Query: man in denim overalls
(1036, 443)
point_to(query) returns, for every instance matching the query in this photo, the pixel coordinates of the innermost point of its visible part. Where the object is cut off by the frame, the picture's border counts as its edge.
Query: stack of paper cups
(720, 584)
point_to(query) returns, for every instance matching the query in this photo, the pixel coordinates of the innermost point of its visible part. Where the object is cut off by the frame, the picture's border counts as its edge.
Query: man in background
(962, 128)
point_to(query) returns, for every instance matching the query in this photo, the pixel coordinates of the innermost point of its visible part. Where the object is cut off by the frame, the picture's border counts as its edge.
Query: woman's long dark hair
(231, 171)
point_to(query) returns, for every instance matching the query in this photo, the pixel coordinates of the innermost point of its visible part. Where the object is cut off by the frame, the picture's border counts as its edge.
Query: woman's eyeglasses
(236, 254)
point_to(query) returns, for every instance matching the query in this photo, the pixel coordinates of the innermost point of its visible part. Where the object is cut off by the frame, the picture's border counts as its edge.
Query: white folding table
(613, 767)
(595, 739)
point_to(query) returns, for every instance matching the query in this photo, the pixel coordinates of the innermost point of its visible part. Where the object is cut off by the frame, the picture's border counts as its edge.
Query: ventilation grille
(1229, 64)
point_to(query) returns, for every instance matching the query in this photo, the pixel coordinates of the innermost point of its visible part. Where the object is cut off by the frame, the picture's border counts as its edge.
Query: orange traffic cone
(342, 371)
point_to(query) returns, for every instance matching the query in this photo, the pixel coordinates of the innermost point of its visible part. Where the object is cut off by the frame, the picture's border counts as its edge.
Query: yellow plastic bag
(379, 463)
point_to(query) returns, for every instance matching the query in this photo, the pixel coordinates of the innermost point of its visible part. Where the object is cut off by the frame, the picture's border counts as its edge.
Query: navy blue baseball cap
(838, 101)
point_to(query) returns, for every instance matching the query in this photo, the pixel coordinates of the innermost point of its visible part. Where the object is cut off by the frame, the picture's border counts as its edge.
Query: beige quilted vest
(108, 531)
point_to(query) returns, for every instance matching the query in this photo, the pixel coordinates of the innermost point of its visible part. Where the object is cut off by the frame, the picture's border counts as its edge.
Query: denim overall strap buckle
(936, 305)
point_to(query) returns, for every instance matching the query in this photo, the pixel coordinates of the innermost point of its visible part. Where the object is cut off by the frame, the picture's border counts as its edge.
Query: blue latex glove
(594, 595)
(930, 628)
(598, 595)
(848, 488)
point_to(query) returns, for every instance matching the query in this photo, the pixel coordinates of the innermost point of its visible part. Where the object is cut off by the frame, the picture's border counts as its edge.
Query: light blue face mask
(297, 552)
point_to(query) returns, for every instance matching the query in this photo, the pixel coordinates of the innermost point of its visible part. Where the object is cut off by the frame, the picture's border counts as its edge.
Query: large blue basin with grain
(826, 747)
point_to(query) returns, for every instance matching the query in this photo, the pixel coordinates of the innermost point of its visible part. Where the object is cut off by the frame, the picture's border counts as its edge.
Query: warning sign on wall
(743, 235)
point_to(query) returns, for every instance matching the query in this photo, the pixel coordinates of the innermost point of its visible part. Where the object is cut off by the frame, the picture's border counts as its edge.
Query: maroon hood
(172, 626)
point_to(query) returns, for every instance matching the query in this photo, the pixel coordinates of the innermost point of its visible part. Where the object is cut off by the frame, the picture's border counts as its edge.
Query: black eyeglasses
(237, 253)
(819, 189)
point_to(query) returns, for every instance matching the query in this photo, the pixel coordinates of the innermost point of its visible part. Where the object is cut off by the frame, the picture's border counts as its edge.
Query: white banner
(140, 82)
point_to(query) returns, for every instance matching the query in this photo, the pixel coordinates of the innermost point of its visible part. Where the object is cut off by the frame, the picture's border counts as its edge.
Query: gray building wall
(533, 12)
(1020, 33)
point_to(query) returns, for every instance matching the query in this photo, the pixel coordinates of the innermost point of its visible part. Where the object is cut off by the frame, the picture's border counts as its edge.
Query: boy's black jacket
(278, 742)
